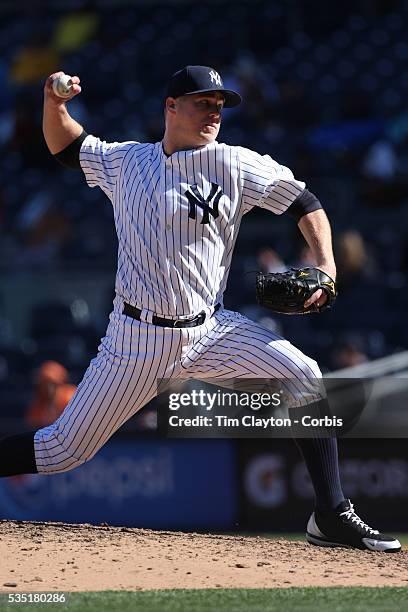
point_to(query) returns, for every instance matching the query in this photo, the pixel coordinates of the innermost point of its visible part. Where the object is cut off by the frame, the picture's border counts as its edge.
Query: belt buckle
(203, 317)
(200, 318)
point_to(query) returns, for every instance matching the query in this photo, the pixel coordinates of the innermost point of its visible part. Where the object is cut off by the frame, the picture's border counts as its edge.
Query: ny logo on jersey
(196, 199)
(215, 78)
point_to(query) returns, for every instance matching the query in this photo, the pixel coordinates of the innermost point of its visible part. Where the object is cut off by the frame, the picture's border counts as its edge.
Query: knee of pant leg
(311, 368)
(53, 455)
(316, 381)
(307, 387)
(301, 365)
(63, 462)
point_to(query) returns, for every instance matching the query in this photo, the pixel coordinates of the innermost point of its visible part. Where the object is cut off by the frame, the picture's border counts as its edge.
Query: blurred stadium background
(325, 88)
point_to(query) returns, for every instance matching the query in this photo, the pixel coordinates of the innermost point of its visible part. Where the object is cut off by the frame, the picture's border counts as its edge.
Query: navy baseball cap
(200, 79)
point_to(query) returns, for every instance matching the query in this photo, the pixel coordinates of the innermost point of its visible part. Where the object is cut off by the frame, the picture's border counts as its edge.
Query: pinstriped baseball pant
(133, 355)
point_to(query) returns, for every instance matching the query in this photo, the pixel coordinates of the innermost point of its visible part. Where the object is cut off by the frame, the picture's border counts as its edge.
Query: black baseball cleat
(343, 527)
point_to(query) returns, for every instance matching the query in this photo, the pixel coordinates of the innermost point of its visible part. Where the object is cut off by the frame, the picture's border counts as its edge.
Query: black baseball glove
(286, 292)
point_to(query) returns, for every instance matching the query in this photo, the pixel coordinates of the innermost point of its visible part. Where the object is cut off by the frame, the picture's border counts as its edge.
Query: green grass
(358, 599)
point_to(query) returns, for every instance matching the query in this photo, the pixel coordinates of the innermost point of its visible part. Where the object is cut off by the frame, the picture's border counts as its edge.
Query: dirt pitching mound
(60, 557)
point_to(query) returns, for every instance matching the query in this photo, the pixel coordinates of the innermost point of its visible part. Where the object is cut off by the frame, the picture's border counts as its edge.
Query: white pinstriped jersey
(177, 217)
(177, 220)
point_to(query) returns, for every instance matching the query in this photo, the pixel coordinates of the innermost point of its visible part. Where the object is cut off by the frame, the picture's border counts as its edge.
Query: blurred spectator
(44, 230)
(74, 30)
(347, 354)
(305, 257)
(249, 80)
(381, 161)
(354, 264)
(52, 392)
(34, 61)
(146, 419)
(269, 261)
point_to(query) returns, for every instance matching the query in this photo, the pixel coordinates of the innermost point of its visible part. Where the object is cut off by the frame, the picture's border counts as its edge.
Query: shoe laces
(354, 518)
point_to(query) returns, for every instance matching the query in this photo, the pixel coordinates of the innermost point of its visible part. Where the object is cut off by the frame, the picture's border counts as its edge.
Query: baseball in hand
(62, 86)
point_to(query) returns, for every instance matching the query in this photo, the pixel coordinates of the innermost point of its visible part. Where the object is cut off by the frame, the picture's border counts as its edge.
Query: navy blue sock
(320, 454)
(17, 455)
(321, 458)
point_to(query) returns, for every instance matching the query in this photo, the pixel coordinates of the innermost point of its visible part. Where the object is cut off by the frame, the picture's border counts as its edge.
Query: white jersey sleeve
(102, 161)
(266, 183)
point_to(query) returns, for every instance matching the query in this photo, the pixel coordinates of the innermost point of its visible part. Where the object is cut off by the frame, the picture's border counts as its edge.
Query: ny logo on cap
(215, 78)
(196, 199)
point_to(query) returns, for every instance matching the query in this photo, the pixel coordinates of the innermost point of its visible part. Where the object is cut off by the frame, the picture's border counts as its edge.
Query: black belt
(135, 313)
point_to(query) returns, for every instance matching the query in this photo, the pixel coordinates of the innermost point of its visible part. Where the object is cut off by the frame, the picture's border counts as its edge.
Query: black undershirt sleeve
(69, 157)
(305, 203)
